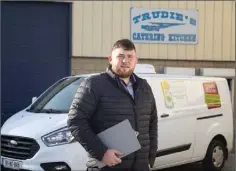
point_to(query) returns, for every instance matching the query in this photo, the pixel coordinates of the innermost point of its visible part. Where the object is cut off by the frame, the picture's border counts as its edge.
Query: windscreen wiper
(33, 110)
(46, 111)
(51, 111)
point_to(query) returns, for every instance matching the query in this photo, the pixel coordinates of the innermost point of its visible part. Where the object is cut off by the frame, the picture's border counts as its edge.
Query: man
(108, 98)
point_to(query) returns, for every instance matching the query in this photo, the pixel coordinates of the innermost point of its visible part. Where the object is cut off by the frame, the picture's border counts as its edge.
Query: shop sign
(177, 26)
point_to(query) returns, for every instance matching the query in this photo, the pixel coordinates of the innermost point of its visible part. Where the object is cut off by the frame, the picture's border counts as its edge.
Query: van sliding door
(176, 124)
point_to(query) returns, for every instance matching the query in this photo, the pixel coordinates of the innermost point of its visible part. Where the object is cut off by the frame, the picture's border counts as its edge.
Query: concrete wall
(98, 24)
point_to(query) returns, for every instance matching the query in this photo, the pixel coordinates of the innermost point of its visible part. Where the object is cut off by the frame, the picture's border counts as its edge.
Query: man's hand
(111, 157)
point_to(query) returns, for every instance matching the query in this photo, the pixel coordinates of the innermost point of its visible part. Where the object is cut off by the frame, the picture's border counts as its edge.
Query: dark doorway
(35, 50)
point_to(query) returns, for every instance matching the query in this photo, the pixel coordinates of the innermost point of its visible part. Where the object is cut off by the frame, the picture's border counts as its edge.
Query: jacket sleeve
(81, 111)
(153, 132)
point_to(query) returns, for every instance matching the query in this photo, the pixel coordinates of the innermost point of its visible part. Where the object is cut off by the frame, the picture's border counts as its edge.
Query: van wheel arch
(218, 142)
(222, 139)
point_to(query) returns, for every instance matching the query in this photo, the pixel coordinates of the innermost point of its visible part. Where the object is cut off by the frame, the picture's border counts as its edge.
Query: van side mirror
(34, 99)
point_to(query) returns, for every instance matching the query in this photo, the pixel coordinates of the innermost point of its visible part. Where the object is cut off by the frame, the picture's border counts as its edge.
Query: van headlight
(59, 137)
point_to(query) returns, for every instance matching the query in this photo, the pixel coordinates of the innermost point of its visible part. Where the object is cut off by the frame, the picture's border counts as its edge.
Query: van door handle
(165, 115)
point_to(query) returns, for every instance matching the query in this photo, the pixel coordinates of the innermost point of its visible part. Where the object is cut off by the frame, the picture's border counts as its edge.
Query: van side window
(170, 94)
(196, 96)
(230, 84)
(175, 93)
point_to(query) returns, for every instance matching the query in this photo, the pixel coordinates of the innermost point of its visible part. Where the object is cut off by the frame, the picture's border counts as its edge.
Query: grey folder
(121, 137)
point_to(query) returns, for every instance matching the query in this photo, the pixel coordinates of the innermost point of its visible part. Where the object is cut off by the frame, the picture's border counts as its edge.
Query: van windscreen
(58, 98)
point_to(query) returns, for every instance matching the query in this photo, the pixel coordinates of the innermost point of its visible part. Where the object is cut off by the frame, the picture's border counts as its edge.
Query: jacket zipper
(134, 106)
(134, 110)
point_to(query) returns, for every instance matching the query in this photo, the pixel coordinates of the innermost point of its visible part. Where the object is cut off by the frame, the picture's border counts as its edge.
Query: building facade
(79, 36)
(97, 25)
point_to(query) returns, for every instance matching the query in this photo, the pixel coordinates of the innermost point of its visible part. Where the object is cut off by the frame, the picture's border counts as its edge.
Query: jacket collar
(112, 74)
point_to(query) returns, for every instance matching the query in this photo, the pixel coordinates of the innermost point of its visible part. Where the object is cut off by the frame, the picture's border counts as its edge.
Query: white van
(195, 124)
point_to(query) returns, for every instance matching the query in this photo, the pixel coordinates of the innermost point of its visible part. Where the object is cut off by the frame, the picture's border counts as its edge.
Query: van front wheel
(215, 157)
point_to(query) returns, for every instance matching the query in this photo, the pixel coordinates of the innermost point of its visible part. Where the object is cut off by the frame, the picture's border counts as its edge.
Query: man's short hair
(126, 44)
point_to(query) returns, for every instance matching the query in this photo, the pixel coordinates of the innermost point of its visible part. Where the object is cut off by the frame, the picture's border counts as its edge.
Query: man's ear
(137, 59)
(109, 59)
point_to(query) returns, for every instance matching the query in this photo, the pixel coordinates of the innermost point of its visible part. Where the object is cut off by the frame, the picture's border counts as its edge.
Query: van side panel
(214, 117)
(176, 124)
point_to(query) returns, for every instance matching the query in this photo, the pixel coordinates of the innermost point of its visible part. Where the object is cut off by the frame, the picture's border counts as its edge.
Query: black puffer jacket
(101, 102)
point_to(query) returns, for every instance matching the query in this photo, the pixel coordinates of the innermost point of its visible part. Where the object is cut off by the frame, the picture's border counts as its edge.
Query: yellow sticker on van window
(212, 97)
(174, 93)
(167, 94)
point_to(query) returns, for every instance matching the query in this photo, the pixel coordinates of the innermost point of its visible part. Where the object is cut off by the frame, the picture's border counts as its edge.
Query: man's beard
(124, 74)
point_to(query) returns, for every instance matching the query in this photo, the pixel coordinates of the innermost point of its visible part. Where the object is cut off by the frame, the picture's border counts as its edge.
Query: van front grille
(18, 147)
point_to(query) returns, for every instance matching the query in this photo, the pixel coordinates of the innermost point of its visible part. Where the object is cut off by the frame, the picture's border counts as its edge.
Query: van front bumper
(67, 157)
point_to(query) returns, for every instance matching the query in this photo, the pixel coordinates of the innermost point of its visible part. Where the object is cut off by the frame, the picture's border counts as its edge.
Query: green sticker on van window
(212, 97)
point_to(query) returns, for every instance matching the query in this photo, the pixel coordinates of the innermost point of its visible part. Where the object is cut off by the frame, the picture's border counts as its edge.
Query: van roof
(162, 76)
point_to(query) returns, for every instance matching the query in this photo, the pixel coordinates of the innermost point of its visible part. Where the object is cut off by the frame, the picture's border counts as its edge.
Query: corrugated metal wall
(97, 25)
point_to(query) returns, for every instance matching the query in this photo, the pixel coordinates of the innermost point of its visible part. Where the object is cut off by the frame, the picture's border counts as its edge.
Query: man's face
(123, 62)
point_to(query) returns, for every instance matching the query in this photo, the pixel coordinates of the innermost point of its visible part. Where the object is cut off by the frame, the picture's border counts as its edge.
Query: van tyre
(215, 157)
